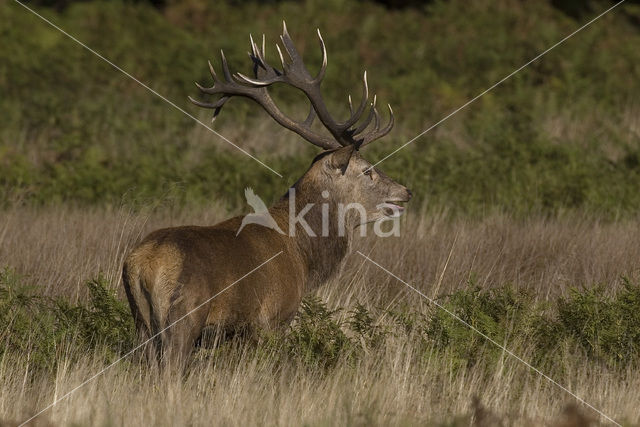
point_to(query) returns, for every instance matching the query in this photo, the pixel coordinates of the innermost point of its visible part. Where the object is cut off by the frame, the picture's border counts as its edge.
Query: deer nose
(409, 193)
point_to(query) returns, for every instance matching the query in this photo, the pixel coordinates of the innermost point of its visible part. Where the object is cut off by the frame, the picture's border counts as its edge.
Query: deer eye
(367, 172)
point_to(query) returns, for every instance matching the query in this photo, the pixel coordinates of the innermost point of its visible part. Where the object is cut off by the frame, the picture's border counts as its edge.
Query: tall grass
(364, 350)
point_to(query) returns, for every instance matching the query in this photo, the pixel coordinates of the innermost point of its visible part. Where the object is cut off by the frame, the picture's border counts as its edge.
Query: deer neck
(311, 220)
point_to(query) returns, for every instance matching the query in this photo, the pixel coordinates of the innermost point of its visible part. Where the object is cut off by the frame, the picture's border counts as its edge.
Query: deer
(172, 275)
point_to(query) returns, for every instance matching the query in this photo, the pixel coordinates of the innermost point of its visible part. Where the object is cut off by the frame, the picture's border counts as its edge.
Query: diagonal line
(503, 348)
(463, 106)
(130, 352)
(165, 99)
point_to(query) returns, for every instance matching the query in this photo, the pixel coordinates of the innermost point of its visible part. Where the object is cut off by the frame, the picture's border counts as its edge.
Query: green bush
(606, 327)
(496, 313)
(316, 338)
(48, 329)
(589, 323)
(365, 327)
(105, 321)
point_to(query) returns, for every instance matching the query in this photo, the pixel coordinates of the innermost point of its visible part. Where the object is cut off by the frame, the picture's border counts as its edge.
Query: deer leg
(183, 329)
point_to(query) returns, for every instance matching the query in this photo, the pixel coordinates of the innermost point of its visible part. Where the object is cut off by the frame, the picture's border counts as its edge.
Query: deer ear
(339, 159)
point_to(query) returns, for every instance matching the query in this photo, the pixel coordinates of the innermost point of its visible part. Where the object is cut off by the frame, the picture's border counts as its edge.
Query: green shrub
(606, 327)
(368, 331)
(589, 323)
(50, 329)
(504, 315)
(105, 321)
(316, 338)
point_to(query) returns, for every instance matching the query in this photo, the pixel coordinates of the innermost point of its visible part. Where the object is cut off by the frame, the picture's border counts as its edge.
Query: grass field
(524, 222)
(385, 356)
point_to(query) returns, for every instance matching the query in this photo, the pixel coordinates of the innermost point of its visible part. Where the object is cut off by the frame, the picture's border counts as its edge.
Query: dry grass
(60, 248)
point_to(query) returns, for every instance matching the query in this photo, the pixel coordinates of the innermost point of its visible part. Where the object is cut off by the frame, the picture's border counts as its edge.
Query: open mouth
(392, 209)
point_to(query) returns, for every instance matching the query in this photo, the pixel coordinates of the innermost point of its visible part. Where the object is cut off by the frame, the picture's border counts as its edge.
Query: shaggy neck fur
(324, 252)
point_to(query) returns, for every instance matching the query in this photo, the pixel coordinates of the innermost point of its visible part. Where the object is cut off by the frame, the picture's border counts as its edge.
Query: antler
(295, 73)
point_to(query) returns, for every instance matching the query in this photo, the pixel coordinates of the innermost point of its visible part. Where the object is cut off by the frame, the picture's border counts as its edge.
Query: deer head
(340, 170)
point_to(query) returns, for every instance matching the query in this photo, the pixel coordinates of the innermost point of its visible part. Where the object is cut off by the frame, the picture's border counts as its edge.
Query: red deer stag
(174, 270)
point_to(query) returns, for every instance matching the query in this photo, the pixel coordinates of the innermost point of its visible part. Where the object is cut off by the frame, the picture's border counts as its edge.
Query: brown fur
(174, 270)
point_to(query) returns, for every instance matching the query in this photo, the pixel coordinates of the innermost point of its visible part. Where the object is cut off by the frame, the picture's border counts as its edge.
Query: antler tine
(365, 123)
(216, 106)
(323, 68)
(376, 115)
(225, 67)
(252, 82)
(363, 104)
(289, 46)
(264, 73)
(212, 71)
(258, 56)
(284, 64)
(255, 52)
(219, 103)
(372, 136)
(258, 62)
(209, 90)
(297, 75)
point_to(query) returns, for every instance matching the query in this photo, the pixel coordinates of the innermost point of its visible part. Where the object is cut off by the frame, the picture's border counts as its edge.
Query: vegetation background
(562, 134)
(524, 221)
